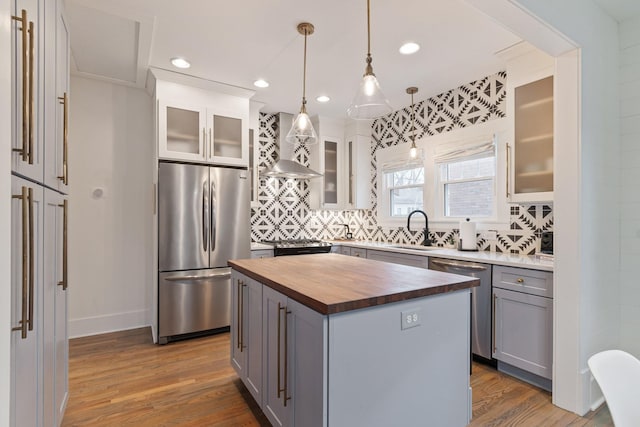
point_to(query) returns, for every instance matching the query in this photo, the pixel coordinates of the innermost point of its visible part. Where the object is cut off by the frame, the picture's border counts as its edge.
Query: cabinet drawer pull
(286, 357)
(520, 280)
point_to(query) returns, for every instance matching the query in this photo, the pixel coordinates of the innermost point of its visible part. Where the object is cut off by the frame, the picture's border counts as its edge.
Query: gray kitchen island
(331, 340)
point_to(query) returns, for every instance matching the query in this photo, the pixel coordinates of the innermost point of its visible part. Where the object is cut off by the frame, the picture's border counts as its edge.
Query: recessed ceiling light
(323, 98)
(261, 83)
(409, 48)
(180, 63)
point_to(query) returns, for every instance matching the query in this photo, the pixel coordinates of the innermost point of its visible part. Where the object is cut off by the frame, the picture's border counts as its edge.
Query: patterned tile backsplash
(284, 211)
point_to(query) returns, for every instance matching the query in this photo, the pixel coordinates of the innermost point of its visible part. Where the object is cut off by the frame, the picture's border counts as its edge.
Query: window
(405, 188)
(467, 187)
(458, 174)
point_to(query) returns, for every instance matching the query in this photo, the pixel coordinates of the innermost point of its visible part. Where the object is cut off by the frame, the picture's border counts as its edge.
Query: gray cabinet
(523, 323)
(55, 345)
(27, 241)
(293, 359)
(246, 332)
(262, 253)
(314, 366)
(398, 258)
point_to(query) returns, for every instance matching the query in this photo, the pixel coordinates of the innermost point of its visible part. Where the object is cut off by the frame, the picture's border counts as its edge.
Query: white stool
(618, 375)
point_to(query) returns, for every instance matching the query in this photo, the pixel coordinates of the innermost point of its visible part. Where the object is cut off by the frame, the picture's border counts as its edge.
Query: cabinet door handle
(31, 37)
(31, 260)
(24, 323)
(279, 361)
(520, 280)
(286, 357)
(493, 324)
(64, 100)
(508, 171)
(24, 152)
(242, 346)
(239, 316)
(64, 283)
(204, 142)
(210, 143)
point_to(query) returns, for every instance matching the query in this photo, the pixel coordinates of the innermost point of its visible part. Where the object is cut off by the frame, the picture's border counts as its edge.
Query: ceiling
(241, 41)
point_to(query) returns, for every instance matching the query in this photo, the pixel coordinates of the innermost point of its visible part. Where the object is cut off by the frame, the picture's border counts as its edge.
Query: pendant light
(369, 102)
(413, 151)
(302, 130)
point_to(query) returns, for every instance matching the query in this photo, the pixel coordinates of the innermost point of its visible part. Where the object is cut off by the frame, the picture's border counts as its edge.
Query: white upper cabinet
(201, 121)
(327, 157)
(182, 131)
(530, 109)
(27, 76)
(343, 156)
(57, 99)
(358, 171)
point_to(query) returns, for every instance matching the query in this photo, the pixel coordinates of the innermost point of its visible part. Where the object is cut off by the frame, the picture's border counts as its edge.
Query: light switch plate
(411, 318)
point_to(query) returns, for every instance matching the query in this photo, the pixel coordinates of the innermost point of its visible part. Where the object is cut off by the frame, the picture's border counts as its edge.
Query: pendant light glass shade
(302, 131)
(369, 102)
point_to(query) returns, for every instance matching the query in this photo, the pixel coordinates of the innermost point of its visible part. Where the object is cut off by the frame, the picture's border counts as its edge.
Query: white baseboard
(95, 325)
(592, 394)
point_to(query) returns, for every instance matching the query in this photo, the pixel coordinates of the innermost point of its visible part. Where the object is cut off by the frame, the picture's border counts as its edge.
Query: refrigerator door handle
(193, 277)
(205, 215)
(213, 215)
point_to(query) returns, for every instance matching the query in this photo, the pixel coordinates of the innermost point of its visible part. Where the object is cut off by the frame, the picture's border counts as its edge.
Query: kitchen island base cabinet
(294, 362)
(246, 332)
(363, 367)
(383, 375)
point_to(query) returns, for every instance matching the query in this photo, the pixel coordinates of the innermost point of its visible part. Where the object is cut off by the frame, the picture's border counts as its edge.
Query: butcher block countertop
(333, 283)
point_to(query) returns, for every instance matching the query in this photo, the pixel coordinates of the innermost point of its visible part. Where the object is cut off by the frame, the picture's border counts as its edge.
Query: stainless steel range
(298, 246)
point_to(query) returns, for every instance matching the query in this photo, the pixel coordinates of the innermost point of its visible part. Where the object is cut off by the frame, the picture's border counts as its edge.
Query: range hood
(286, 167)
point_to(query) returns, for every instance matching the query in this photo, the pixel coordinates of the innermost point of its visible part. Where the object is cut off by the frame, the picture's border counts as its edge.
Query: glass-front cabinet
(327, 192)
(201, 134)
(201, 126)
(182, 132)
(358, 172)
(532, 151)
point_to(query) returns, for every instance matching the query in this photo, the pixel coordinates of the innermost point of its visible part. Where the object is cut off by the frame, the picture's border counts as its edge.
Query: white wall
(629, 32)
(594, 280)
(110, 237)
(586, 193)
(5, 211)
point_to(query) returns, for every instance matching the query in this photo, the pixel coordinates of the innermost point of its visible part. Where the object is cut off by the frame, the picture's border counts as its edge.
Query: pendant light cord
(413, 120)
(304, 76)
(368, 28)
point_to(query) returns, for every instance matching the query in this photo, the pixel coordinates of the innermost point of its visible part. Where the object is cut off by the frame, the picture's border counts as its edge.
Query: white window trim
(498, 129)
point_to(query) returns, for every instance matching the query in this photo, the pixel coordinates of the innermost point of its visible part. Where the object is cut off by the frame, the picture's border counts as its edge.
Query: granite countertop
(497, 258)
(333, 283)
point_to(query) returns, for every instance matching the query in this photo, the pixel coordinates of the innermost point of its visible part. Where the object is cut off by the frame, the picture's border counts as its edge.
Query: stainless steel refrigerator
(203, 221)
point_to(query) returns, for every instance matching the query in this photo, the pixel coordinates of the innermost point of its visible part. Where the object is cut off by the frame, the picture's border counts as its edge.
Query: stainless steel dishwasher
(480, 300)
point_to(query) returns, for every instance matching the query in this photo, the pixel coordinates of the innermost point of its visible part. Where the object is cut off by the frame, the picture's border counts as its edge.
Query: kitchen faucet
(426, 241)
(349, 235)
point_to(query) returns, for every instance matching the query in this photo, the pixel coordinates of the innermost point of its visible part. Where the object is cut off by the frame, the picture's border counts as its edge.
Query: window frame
(440, 186)
(427, 146)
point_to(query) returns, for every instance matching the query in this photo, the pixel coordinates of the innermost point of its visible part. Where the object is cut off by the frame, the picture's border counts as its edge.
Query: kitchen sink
(416, 247)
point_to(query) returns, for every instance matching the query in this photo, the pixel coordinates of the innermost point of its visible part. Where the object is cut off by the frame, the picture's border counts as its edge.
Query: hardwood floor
(123, 379)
